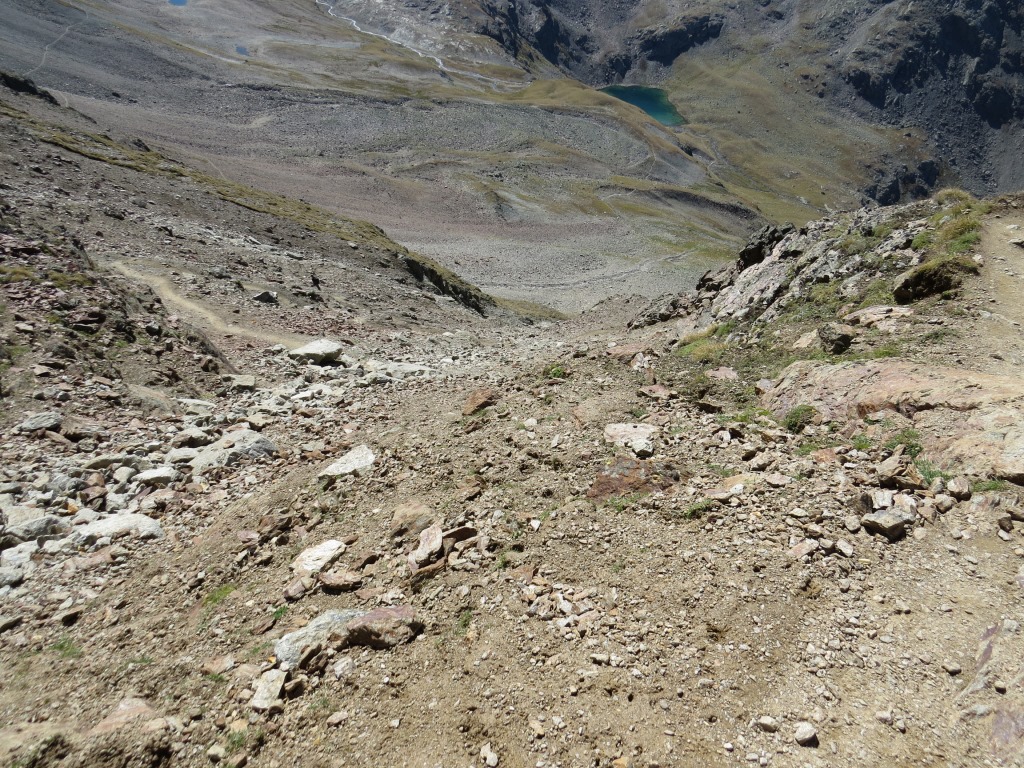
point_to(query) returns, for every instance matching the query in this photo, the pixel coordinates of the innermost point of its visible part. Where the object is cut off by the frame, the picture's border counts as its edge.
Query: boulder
(385, 627)
(159, 476)
(836, 337)
(116, 526)
(887, 522)
(478, 400)
(411, 517)
(46, 525)
(637, 437)
(319, 352)
(48, 421)
(319, 631)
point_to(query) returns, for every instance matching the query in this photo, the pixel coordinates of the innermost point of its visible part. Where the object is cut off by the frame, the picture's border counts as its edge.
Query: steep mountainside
(272, 495)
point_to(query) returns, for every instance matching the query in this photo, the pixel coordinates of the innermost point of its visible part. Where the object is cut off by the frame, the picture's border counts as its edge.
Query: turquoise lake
(653, 101)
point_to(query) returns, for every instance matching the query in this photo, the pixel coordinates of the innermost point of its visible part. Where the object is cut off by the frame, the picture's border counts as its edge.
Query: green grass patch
(698, 509)
(798, 417)
(463, 622)
(862, 442)
(981, 486)
(67, 648)
(930, 472)
(909, 438)
(219, 595)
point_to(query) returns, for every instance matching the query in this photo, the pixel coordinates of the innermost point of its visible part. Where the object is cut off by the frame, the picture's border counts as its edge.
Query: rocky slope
(252, 520)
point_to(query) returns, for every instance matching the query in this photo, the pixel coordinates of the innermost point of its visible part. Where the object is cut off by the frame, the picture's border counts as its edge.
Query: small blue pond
(653, 101)
(178, 2)
(241, 50)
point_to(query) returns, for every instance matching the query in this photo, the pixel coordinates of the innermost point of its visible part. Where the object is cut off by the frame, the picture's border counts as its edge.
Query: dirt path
(999, 295)
(203, 317)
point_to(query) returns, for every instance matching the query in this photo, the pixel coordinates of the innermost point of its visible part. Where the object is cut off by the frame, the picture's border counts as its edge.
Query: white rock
(429, 547)
(288, 649)
(315, 559)
(20, 556)
(355, 462)
(158, 476)
(637, 437)
(317, 352)
(268, 690)
(232, 448)
(115, 526)
(806, 735)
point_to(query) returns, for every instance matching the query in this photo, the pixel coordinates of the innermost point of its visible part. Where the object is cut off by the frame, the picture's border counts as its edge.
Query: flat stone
(315, 559)
(159, 476)
(268, 691)
(319, 352)
(412, 517)
(217, 665)
(478, 400)
(47, 525)
(886, 522)
(232, 448)
(804, 548)
(116, 526)
(183, 455)
(340, 580)
(49, 421)
(240, 382)
(288, 649)
(355, 462)
(337, 718)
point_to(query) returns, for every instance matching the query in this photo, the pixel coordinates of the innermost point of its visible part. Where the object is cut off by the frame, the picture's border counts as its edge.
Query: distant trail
(48, 46)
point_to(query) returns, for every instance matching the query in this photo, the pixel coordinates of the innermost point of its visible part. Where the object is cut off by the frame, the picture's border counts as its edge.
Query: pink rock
(385, 627)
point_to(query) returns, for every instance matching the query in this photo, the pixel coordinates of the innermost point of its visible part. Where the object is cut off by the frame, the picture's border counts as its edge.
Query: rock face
(592, 41)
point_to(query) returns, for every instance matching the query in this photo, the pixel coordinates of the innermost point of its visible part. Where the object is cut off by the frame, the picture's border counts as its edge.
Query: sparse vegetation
(699, 509)
(219, 595)
(799, 417)
(909, 438)
(995, 484)
(67, 648)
